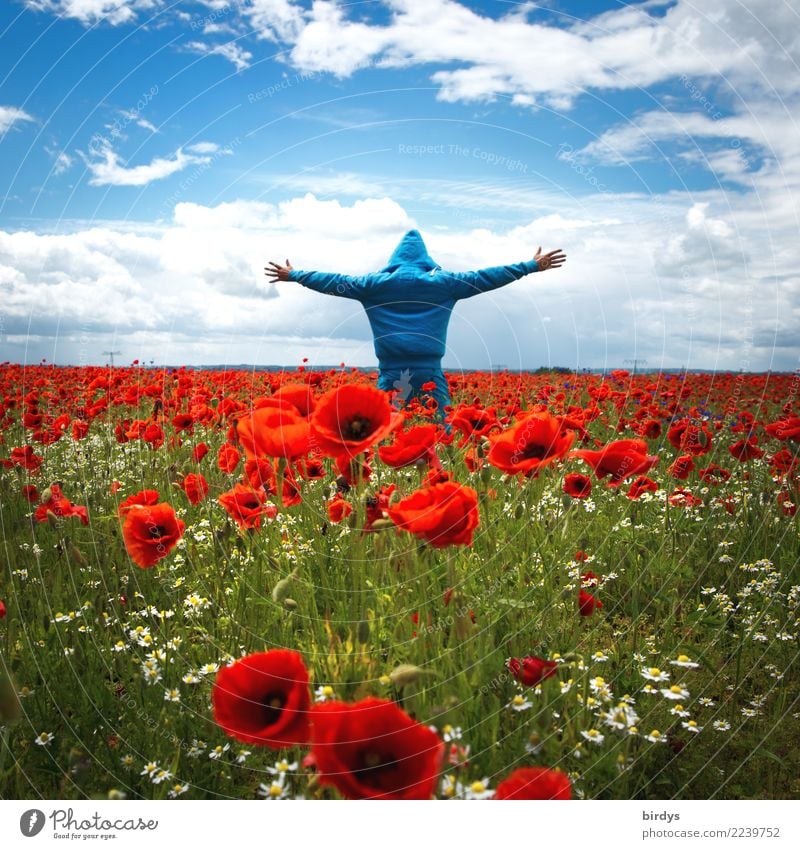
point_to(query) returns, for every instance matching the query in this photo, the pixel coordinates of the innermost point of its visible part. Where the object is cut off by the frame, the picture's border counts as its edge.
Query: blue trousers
(408, 379)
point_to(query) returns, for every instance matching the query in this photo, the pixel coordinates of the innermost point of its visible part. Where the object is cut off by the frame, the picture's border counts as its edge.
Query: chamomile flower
(150, 769)
(684, 661)
(450, 733)
(44, 739)
(692, 726)
(218, 751)
(721, 725)
(599, 657)
(127, 761)
(655, 736)
(479, 790)
(160, 776)
(282, 767)
(172, 695)
(676, 693)
(208, 669)
(177, 789)
(451, 788)
(679, 710)
(519, 703)
(323, 693)
(593, 736)
(653, 673)
(242, 756)
(275, 790)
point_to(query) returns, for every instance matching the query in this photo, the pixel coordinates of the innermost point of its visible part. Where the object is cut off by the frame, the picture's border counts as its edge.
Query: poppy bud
(363, 632)
(519, 510)
(76, 555)
(382, 525)
(289, 604)
(281, 589)
(407, 673)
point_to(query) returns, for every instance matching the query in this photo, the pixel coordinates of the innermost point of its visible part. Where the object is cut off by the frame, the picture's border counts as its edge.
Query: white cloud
(10, 115)
(231, 51)
(107, 169)
(661, 278)
(114, 12)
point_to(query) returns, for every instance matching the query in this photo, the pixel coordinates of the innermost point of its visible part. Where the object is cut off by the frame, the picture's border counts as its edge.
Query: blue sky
(154, 156)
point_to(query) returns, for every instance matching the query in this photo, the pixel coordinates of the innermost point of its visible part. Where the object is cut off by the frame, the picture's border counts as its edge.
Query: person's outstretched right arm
(465, 284)
(342, 285)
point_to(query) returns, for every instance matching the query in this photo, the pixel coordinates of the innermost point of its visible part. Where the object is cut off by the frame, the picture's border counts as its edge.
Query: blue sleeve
(342, 285)
(465, 284)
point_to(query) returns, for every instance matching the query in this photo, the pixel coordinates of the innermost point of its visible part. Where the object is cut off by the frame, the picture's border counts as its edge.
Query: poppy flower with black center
(338, 508)
(246, 506)
(531, 444)
(442, 514)
(684, 498)
(534, 782)
(374, 750)
(618, 460)
(351, 418)
(689, 437)
(263, 699)
(26, 458)
(273, 432)
(413, 445)
(150, 533)
(713, 474)
(640, 485)
(531, 670)
(577, 485)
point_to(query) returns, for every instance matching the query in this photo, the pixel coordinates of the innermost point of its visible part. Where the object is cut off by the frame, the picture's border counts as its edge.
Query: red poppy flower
(228, 458)
(746, 449)
(150, 533)
(299, 395)
(351, 418)
(246, 506)
(59, 505)
(273, 432)
(410, 446)
(783, 429)
(587, 603)
(577, 485)
(620, 460)
(689, 437)
(713, 474)
(195, 487)
(2, 609)
(536, 782)
(26, 459)
(263, 699)
(443, 514)
(374, 750)
(640, 485)
(338, 508)
(30, 493)
(684, 498)
(531, 670)
(532, 443)
(682, 467)
(183, 421)
(145, 498)
(200, 451)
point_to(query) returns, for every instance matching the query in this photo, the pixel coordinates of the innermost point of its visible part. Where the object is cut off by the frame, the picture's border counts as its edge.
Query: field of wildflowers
(280, 585)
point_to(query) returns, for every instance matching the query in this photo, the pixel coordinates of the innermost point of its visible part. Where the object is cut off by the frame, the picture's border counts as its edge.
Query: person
(408, 304)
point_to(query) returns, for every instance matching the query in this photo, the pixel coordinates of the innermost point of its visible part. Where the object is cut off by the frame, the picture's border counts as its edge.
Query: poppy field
(280, 585)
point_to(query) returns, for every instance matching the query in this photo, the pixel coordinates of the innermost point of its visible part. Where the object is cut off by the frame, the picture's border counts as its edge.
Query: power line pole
(111, 354)
(635, 361)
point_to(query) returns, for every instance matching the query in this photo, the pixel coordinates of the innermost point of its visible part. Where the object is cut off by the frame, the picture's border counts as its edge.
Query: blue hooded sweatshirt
(409, 302)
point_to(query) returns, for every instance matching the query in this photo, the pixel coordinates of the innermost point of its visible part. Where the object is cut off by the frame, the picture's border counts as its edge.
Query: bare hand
(554, 259)
(278, 272)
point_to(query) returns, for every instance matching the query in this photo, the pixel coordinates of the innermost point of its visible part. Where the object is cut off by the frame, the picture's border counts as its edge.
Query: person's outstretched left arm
(465, 284)
(341, 285)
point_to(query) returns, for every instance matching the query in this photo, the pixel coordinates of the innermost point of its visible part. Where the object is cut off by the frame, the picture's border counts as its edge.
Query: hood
(411, 250)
